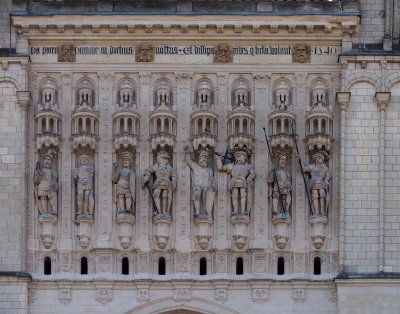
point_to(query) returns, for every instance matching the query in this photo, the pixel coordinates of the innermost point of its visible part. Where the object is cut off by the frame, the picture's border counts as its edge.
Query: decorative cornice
(159, 24)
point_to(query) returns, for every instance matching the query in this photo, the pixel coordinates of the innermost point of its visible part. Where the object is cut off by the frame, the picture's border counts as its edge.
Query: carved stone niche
(319, 120)
(204, 96)
(319, 131)
(318, 230)
(126, 95)
(241, 95)
(46, 195)
(240, 225)
(124, 190)
(84, 191)
(48, 120)
(85, 129)
(241, 128)
(126, 129)
(279, 129)
(282, 96)
(204, 227)
(204, 129)
(162, 128)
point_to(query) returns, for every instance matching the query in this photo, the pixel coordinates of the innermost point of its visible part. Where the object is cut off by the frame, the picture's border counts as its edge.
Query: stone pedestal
(48, 230)
(84, 230)
(318, 230)
(204, 231)
(125, 222)
(240, 233)
(161, 230)
(281, 231)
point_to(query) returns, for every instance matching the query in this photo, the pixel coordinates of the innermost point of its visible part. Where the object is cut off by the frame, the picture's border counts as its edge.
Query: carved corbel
(256, 28)
(78, 28)
(383, 99)
(274, 28)
(113, 28)
(238, 28)
(342, 99)
(184, 28)
(23, 99)
(166, 28)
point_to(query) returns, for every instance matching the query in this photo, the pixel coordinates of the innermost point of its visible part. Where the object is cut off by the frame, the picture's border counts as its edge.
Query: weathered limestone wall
(362, 178)
(392, 182)
(5, 8)
(372, 22)
(368, 296)
(371, 172)
(12, 167)
(13, 295)
(200, 296)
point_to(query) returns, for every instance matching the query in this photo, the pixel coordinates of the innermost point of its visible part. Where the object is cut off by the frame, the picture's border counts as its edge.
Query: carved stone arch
(392, 80)
(367, 77)
(87, 83)
(319, 85)
(205, 83)
(243, 84)
(9, 79)
(48, 82)
(282, 83)
(126, 82)
(163, 83)
(192, 306)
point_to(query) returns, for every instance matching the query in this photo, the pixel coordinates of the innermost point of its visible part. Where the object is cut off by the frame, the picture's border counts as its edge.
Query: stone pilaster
(342, 99)
(182, 211)
(382, 99)
(105, 216)
(144, 160)
(261, 213)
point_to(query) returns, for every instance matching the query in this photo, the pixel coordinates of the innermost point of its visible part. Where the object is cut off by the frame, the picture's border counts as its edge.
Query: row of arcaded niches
(204, 124)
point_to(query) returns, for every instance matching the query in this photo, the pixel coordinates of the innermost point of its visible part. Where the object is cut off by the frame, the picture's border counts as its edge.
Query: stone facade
(135, 172)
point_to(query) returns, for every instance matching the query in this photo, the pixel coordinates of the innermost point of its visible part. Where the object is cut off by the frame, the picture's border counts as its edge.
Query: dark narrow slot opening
(84, 266)
(47, 265)
(281, 266)
(239, 266)
(125, 266)
(161, 266)
(203, 266)
(317, 266)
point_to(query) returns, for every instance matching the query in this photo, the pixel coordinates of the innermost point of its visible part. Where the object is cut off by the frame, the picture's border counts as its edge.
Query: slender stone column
(382, 99)
(342, 99)
(23, 99)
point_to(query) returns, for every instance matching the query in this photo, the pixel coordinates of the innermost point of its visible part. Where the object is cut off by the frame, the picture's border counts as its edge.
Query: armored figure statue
(164, 184)
(203, 183)
(280, 189)
(46, 186)
(241, 183)
(83, 177)
(319, 183)
(124, 184)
